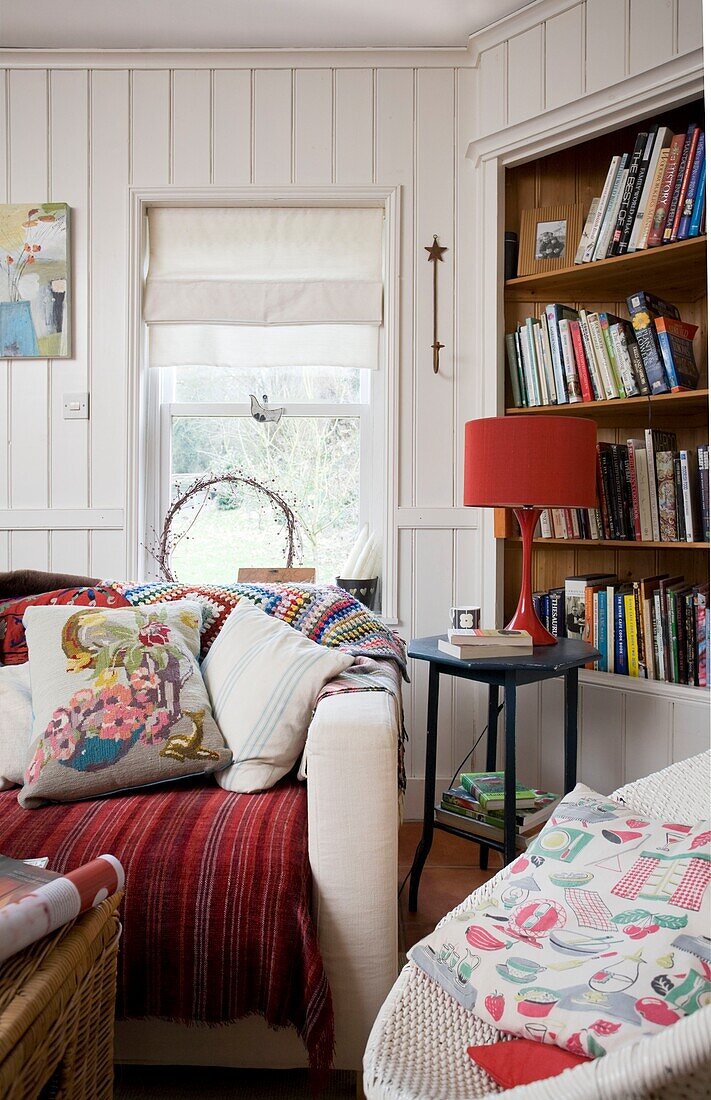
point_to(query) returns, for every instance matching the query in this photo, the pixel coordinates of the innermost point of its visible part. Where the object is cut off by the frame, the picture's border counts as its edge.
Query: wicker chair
(418, 1046)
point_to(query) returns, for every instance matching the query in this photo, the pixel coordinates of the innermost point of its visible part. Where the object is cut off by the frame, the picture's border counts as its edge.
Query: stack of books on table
(566, 356)
(476, 807)
(653, 195)
(473, 645)
(655, 628)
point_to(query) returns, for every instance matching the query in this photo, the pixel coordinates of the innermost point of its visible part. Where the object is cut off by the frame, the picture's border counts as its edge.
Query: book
(640, 178)
(648, 586)
(623, 359)
(666, 496)
(536, 365)
(482, 652)
(666, 189)
(593, 368)
(628, 192)
(548, 359)
(478, 637)
(478, 829)
(557, 627)
(662, 603)
(488, 789)
(702, 457)
(581, 365)
(656, 440)
(687, 206)
(662, 141)
(572, 383)
(631, 634)
(620, 630)
(547, 395)
(555, 313)
(513, 356)
(690, 494)
(575, 600)
(645, 228)
(530, 368)
(701, 600)
(606, 322)
(602, 207)
(679, 500)
(644, 502)
(697, 214)
(602, 357)
(35, 901)
(587, 236)
(676, 341)
(609, 221)
(528, 819)
(688, 149)
(643, 309)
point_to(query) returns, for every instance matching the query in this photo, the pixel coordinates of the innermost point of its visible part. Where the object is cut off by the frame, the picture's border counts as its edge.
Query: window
(306, 330)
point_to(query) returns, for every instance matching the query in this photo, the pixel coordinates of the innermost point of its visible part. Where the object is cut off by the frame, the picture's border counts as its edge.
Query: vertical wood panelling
(470, 700)
(405, 597)
(272, 126)
(601, 763)
(434, 213)
(690, 732)
(150, 127)
(192, 126)
(645, 754)
(106, 555)
(432, 591)
(690, 25)
(652, 33)
(232, 127)
(313, 126)
(69, 552)
(550, 777)
(394, 110)
(29, 399)
(565, 57)
(525, 75)
(466, 375)
(69, 455)
(491, 106)
(29, 550)
(606, 36)
(353, 109)
(108, 257)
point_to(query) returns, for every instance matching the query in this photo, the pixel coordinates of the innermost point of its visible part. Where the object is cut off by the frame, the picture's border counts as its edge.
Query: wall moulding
(435, 58)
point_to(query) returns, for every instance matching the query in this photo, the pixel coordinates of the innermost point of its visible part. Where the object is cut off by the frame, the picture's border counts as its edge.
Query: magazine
(35, 901)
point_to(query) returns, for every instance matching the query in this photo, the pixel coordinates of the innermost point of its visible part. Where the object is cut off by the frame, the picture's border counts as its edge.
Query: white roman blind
(249, 286)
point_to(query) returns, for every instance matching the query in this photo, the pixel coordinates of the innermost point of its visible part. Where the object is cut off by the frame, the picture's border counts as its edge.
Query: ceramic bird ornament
(262, 413)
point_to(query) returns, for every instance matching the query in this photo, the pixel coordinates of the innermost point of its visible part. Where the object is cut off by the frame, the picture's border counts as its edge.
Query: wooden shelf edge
(614, 544)
(664, 402)
(646, 687)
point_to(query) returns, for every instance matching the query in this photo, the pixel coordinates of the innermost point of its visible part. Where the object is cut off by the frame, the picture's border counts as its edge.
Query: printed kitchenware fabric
(598, 934)
(118, 701)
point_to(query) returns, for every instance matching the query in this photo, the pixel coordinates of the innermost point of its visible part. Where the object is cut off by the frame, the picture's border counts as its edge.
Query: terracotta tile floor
(451, 872)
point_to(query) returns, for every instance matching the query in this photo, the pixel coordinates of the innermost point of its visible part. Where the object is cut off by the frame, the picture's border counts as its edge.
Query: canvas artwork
(34, 280)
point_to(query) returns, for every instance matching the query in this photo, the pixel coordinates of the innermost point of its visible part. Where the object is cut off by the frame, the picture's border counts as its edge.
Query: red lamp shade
(528, 463)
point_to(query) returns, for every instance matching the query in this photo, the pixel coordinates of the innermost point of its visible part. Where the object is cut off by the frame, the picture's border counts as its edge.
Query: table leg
(491, 737)
(423, 848)
(510, 768)
(570, 767)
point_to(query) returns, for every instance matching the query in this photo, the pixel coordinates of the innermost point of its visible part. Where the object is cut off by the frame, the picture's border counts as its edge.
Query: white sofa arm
(351, 766)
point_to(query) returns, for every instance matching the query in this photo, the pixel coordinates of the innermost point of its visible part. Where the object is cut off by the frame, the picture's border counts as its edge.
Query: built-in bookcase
(676, 272)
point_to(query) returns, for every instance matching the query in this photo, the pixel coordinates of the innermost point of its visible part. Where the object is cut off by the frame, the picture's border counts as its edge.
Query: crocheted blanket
(324, 613)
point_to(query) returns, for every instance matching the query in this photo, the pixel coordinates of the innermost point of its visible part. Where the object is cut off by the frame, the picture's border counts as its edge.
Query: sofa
(350, 855)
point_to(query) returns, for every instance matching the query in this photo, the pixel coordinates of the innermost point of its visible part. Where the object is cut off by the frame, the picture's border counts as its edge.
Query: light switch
(76, 406)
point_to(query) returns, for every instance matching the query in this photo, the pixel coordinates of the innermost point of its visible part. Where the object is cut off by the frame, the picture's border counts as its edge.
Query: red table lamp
(529, 463)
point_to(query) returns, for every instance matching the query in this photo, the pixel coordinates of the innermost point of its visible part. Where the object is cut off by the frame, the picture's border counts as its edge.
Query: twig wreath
(163, 549)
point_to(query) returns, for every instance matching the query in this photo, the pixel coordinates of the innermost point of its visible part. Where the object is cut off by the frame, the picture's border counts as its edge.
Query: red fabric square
(523, 1061)
(13, 644)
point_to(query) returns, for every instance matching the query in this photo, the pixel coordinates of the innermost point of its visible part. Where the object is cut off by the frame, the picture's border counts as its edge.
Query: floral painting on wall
(34, 280)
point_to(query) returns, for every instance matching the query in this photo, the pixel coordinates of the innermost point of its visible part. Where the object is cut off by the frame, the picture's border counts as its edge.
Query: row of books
(648, 492)
(475, 644)
(566, 356)
(475, 807)
(653, 195)
(656, 628)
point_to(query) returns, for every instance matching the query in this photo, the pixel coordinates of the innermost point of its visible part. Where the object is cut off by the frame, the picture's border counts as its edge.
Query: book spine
(661, 141)
(653, 199)
(637, 361)
(624, 362)
(548, 359)
(692, 678)
(666, 190)
(602, 496)
(640, 181)
(645, 508)
(672, 641)
(609, 348)
(621, 666)
(702, 456)
(658, 624)
(595, 379)
(600, 350)
(601, 208)
(701, 646)
(635, 491)
(652, 475)
(679, 501)
(697, 212)
(646, 337)
(666, 496)
(687, 207)
(529, 368)
(554, 337)
(536, 366)
(548, 396)
(630, 186)
(602, 641)
(512, 357)
(687, 489)
(682, 182)
(604, 240)
(587, 231)
(618, 508)
(572, 384)
(626, 475)
(586, 389)
(631, 636)
(668, 359)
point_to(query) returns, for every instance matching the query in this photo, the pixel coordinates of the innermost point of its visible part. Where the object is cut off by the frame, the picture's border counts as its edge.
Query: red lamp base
(525, 617)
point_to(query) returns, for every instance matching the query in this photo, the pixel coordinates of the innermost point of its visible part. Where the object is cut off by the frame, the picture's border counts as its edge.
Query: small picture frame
(549, 238)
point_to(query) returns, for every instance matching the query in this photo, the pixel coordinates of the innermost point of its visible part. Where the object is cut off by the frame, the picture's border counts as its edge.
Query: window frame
(147, 486)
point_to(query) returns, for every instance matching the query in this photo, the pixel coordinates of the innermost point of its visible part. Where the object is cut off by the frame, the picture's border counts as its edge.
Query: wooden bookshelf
(676, 272)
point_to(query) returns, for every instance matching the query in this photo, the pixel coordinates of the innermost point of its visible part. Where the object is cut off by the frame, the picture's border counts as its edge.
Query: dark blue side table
(546, 663)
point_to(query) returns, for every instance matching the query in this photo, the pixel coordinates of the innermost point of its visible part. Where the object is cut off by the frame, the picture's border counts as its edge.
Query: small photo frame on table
(549, 238)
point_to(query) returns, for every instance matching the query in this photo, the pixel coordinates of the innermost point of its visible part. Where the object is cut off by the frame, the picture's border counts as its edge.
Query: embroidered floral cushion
(596, 935)
(13, 645)
(118, 701)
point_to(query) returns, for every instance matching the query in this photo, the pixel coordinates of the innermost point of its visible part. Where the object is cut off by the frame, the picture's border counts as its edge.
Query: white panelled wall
(83, 129)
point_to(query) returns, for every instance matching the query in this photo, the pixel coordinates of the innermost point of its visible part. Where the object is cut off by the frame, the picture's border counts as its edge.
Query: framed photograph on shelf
(549, 237)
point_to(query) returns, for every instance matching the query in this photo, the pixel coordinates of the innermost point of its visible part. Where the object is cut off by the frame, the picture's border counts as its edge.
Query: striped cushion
(263, 679)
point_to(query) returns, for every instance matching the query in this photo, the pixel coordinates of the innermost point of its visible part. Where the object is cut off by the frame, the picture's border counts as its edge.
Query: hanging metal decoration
(262, 413)
(436, 251)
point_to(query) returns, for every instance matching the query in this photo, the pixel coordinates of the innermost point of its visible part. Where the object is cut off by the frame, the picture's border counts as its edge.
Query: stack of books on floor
(653, 195)
(476, 807)
(649, 491)
(566, 356)
(656, 628)
(474, 645)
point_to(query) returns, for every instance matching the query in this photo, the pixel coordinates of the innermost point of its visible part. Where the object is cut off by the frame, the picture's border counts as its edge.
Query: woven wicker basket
(57, 1011)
